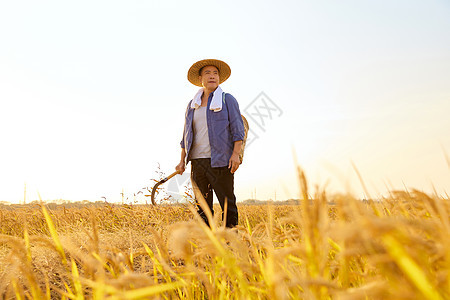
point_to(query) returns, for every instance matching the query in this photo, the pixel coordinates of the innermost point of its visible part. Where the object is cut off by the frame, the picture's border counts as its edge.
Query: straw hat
(194, 70)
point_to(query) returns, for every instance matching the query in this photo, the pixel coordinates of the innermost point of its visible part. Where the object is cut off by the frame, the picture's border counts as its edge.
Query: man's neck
(208, 91)
(205, 96)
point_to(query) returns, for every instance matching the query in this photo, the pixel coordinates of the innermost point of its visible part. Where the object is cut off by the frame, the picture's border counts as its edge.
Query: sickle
(159, 183)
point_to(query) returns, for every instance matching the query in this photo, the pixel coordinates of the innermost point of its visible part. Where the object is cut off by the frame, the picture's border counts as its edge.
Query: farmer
(212, 139)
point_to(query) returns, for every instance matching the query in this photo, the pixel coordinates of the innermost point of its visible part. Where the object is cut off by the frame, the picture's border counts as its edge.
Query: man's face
(210, 77)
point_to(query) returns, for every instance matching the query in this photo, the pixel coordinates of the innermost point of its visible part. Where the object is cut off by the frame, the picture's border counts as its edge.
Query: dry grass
(397, 248)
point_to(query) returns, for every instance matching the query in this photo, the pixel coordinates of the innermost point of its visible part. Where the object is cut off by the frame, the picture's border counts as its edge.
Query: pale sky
(93, 93)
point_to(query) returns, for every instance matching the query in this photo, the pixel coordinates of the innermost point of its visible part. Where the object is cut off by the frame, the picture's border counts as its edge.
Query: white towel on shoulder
(216, 102)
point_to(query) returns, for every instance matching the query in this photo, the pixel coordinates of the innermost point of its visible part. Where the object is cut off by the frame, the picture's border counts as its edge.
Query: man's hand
(180, 167)
(234, 162)
(234, 159)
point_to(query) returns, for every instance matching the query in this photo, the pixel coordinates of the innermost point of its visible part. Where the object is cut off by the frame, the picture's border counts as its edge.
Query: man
(212, 139)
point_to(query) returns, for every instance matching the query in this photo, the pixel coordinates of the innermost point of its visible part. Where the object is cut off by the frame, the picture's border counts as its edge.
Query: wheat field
(394, 248)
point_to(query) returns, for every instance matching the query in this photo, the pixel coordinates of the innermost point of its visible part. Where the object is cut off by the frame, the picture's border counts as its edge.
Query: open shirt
(224, 128)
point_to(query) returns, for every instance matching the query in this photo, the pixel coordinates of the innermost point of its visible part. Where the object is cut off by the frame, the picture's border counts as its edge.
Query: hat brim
(194, 70)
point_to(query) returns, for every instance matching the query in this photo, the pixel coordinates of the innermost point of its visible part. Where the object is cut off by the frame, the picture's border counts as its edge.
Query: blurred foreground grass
(398, 248)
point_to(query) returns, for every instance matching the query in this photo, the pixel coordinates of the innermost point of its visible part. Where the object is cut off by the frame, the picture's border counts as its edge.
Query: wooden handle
(171, 175)
(159, 183)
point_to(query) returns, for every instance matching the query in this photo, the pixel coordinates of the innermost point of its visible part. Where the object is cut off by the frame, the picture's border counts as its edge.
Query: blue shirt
(224, 128)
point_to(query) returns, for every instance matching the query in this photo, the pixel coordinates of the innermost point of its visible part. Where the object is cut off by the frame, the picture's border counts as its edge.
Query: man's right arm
(182, 165)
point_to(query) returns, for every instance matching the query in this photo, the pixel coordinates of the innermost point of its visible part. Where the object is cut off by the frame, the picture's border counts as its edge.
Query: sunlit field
(325, 247)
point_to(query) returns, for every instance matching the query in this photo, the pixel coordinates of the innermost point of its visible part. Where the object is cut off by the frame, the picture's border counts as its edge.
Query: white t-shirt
(200, 145)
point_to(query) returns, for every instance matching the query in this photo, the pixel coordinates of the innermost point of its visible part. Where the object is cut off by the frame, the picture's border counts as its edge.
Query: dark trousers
(221, 180)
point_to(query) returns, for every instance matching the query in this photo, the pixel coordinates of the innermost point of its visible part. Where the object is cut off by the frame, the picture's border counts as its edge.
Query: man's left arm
(234, 161)
(237, 131)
